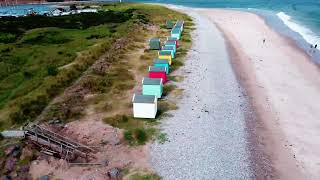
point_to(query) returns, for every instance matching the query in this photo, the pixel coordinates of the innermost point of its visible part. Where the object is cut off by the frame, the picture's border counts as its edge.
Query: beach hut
(170, 39)
(171, 49)
(180, 24)
(162, 62)
(155, 44)
(172, 44)
(170, 24)
(165, 55)
(144, 106)
(152, 86)
(176, 33)
(158, 72)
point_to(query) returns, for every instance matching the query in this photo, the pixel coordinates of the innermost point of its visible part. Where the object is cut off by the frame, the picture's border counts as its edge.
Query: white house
(144, 106)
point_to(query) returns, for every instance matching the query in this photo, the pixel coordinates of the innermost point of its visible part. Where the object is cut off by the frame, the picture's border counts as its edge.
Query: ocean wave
(306, 33)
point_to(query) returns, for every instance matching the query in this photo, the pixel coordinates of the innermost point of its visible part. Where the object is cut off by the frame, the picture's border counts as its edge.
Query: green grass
(139, 176)
(41, 62)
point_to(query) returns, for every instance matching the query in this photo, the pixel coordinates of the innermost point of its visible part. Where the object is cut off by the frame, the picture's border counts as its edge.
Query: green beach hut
(162, 62)
(155, 44)
(170, 24)
(152, 86)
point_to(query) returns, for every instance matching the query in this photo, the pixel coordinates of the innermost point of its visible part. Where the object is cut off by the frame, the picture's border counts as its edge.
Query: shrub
(52, 70)
(140, 136)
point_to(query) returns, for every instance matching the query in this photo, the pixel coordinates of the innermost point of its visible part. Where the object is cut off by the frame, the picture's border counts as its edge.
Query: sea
(296, 19)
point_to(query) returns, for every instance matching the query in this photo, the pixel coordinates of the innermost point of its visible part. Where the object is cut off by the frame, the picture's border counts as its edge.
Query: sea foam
(306, 33)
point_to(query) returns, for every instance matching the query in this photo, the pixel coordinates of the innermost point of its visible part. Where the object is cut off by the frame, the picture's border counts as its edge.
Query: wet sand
(284, 88)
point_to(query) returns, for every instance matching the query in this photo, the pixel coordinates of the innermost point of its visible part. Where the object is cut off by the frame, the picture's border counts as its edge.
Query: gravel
(207, 137)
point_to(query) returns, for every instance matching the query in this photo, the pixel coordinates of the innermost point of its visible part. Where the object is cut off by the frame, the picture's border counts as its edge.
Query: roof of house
(171, 43)
(165, 53)
(161, 61)
(138, 98)
(157, 68)
(152, 81)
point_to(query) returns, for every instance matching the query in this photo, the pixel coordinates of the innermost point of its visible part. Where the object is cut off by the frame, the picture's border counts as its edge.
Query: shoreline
(276, 139)
(279, 134)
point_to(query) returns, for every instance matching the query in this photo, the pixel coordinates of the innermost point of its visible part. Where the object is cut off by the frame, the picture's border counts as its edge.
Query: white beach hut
(144, 106)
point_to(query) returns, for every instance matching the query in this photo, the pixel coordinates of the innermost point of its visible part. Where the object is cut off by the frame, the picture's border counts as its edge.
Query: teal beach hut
(162, 62)
(176, 33)
(152, 86)
(169, 48)
(170, 24)
(172, 44)
(155, 44)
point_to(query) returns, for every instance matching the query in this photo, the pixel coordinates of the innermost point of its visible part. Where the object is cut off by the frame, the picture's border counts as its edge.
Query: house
(170, 24)
(144, 106)
(176, 33)
(152, 86)
(158, 72)
(170, 49)
(155, 44)
(170, 39)
(162, 62)
(165, 55)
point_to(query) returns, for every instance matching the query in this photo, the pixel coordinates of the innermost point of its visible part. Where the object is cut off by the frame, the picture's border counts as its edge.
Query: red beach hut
(158, 72)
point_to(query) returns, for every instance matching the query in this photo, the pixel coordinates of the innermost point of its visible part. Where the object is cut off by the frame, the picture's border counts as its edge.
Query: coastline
(269, 79)
(276, 137)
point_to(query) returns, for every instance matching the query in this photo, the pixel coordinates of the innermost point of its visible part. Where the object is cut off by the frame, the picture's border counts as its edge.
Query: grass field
(75, 70)
(37, 63)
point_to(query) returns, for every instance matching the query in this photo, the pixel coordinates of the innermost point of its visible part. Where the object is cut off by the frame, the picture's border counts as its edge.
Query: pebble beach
(207, 137)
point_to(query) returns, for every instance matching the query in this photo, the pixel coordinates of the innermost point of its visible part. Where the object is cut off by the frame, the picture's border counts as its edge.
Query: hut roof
(168, 48)
(152, 81)
(154, 40)
(170, 43)
(180, 22)
(172, 39)
(164, 53)
(176, 31)
(157, 69)
(138, 98)
(161, 61)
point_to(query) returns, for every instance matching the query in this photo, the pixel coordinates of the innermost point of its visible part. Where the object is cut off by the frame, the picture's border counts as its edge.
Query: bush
(137, 136)
(7, 38)
(140, 135)
(52, 70)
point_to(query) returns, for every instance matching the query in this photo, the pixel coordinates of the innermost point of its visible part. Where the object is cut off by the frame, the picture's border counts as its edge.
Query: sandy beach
(250, 108)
